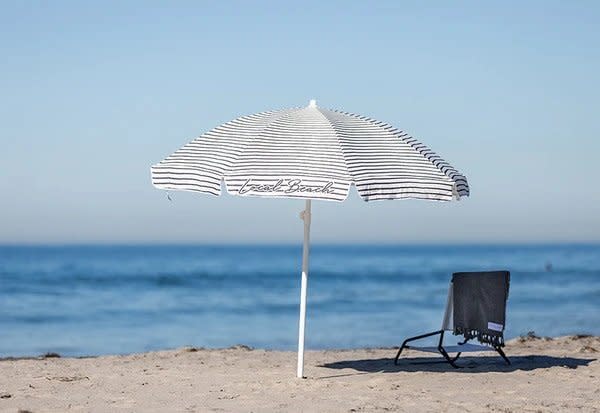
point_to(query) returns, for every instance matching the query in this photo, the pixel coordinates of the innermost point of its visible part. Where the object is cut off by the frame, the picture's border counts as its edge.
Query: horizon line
(297, 243)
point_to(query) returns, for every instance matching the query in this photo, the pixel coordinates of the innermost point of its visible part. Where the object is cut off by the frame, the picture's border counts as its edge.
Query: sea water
(90, 300)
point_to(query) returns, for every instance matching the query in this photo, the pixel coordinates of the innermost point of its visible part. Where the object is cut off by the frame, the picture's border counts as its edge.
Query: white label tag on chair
(495, 326)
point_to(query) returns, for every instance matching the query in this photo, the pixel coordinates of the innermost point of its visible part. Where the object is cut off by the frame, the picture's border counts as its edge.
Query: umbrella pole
(305, 215)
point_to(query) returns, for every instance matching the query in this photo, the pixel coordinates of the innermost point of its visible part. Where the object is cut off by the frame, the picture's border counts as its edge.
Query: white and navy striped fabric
(310, 153)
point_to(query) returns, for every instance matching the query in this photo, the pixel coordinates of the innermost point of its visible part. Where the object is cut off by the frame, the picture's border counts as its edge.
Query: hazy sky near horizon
(93, 93)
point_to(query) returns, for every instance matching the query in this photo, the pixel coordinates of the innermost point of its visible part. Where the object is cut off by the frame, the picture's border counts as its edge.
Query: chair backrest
(448, 320)
(476, 305)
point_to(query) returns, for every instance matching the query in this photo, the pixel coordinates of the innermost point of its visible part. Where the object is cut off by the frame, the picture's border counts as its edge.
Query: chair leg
(449, 359)
(501, 352)
(403, 346)
(399, 352)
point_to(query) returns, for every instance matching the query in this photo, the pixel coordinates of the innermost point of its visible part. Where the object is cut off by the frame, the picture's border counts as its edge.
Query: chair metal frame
(442, 350)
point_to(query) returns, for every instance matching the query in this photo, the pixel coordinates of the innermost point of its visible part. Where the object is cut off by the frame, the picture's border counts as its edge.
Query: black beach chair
(475, 309)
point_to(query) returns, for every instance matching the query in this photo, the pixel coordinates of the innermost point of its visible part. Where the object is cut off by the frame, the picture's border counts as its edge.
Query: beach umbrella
(309, 153)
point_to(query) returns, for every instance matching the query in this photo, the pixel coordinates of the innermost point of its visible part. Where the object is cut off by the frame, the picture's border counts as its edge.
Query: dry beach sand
(561, 374)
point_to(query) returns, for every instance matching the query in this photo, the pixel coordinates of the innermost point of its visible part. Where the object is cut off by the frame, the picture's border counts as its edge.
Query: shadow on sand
(467, 364)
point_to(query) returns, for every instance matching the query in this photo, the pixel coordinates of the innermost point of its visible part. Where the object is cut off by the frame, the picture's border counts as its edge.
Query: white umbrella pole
(305, 215)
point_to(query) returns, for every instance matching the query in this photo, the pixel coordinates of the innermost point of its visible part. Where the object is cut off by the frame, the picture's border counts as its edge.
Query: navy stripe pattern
(310, 153)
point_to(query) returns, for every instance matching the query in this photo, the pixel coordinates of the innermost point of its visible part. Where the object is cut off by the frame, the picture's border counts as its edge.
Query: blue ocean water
(89, 300)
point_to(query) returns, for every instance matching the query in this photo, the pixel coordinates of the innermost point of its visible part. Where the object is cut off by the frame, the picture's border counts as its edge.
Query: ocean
(92, 300)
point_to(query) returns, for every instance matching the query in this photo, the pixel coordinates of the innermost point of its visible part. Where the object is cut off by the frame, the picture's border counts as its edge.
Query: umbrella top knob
(312, 103)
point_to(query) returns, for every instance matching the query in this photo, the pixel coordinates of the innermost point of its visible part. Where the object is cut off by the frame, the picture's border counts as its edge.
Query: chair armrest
(433, 333)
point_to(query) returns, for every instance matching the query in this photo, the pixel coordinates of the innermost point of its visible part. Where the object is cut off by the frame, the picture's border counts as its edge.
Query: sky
(93, 93)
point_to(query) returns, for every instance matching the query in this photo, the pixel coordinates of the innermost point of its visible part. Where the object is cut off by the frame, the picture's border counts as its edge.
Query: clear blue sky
(93, 93)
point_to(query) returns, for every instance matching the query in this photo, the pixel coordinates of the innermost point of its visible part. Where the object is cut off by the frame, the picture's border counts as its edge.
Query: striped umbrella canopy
(309, 153)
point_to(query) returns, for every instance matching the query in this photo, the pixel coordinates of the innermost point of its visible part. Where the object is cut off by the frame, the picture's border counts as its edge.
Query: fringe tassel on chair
(482, 337)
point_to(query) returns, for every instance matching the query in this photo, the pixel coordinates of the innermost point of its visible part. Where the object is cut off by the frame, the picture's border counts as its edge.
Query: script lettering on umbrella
(286, 186)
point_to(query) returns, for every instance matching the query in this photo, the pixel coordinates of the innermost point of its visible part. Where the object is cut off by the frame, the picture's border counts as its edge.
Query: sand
(561, 374)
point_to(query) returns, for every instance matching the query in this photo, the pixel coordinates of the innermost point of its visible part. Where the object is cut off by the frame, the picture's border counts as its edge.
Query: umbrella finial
(312, 103)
